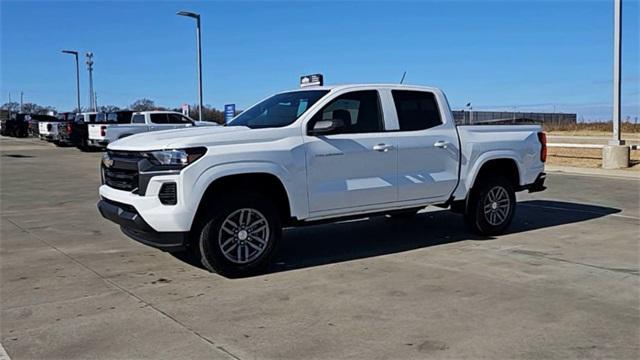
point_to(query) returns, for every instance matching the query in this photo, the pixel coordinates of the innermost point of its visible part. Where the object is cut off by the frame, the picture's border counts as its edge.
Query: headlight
(106, 160)
(174, 159)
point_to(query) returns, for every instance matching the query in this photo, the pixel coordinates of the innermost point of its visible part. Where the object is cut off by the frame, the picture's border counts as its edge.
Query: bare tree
(108, 108)
(11, 106)
(143, 105)
(31, 108)
(210, 113)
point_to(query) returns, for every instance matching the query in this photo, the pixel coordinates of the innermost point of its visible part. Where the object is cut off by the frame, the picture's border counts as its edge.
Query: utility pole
(90, 68)
(21, 98)
(75, 54)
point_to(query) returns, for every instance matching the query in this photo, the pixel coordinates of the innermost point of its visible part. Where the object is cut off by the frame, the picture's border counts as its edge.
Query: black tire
(83, 146)
(495, 221)
(212, 236)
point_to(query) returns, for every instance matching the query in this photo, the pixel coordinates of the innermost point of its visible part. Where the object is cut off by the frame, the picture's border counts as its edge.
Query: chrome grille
(123, 173)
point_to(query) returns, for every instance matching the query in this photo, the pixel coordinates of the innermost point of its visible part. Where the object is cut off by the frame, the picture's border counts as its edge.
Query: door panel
(356, 166)
(427, 163)
(428, 151)
(344, 171)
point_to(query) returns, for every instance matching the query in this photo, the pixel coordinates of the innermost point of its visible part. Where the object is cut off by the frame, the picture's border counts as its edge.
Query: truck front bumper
(134, 226)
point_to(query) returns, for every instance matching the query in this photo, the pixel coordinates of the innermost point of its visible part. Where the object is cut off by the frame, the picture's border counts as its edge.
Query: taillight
(542, 137)
(103, 131)
(69, 128)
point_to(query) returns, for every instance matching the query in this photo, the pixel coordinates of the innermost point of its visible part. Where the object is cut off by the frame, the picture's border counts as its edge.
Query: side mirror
(324, 127)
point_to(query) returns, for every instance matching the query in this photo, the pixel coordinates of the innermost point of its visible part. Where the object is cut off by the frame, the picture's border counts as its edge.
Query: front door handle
(382, 147)
(441, 144)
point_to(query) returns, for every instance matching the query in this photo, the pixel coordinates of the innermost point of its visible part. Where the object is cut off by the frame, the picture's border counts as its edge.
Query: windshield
(278, 110)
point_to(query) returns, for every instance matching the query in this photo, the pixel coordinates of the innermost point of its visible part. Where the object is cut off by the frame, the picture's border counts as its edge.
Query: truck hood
(194, 136)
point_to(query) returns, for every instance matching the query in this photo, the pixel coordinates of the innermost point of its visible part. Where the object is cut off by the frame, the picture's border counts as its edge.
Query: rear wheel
(240, 235)
(491, 207)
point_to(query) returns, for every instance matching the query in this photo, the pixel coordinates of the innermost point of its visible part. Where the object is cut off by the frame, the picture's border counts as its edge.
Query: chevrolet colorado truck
(314, 155)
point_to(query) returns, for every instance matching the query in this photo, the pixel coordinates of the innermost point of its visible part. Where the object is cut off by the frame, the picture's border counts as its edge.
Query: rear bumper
(98, 143)
(537, 185)
(134, 226)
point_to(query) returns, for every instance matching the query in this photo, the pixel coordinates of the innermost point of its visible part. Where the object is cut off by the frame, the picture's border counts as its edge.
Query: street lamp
(75, 53)
(197, 17)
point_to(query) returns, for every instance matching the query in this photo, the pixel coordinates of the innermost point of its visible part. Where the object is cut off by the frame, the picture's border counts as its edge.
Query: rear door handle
(382, 147)
(441, 144)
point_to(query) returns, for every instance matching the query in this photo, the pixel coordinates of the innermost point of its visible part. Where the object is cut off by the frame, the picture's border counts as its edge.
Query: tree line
(209, 113)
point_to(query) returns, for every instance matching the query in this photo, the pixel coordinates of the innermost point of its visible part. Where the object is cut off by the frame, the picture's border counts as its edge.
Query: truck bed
(517, 142)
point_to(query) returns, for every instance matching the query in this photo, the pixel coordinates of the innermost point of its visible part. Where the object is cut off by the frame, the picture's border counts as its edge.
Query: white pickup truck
(48, 130)
(310, 155)
(97, 129)
(146, 121)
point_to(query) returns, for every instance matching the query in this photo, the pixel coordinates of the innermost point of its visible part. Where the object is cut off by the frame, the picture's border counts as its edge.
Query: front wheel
(491, 206)
(240, 235)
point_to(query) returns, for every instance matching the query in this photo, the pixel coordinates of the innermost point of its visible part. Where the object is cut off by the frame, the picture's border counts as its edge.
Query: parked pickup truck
(48, 128)
(97, 129)
(311, 155)
(150, 121)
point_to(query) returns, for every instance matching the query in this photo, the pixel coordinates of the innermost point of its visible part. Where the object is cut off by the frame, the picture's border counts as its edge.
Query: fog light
(168, 194)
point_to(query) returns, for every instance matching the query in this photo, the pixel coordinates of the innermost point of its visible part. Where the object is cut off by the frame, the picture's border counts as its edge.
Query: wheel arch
(503, 164)
(261, 181)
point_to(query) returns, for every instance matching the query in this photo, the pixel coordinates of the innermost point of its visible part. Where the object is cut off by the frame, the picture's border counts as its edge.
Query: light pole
(198, 40)
(90, 68)
(617, 71)
(75, 53)
(615, 155)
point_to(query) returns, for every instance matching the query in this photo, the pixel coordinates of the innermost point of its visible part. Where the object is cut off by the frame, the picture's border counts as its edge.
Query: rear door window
(417, 110)
(137, 119)
(178, 119)
(159, 118)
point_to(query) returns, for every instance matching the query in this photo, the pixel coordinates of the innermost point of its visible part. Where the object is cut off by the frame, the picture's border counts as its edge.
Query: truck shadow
(351, 240)
(357, 239)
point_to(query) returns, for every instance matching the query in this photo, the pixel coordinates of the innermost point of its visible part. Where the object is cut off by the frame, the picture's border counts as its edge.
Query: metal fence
(463, 117)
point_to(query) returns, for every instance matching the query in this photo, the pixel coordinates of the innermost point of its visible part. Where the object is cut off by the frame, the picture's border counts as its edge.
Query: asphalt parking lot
(563, 283)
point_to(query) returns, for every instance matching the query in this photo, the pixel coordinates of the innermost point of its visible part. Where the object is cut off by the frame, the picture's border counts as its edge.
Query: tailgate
(97, 131)
(42, 127)
(48, 128)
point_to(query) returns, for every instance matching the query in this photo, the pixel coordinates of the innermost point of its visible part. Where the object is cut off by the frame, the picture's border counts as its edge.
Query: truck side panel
(483, 143)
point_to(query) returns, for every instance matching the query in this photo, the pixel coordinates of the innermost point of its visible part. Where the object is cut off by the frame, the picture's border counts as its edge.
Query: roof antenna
(403, 75)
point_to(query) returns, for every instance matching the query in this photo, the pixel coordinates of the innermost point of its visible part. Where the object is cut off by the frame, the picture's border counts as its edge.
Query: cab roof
(375, 86)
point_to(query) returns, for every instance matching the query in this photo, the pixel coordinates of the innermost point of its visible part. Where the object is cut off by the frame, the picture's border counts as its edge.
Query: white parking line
(3, 353)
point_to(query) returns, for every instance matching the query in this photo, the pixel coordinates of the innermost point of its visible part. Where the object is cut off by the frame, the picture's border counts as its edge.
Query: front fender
(296, 196)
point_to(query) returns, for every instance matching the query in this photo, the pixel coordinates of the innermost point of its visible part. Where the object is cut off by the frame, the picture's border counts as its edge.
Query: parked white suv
(310, 155)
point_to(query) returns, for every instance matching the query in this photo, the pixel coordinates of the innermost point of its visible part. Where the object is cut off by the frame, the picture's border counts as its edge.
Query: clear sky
(522, 55)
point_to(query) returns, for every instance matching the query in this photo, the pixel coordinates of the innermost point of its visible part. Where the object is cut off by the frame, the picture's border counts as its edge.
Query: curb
(625, 174)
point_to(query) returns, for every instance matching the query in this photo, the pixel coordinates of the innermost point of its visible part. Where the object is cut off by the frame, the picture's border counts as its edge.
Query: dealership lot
(564, 282)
